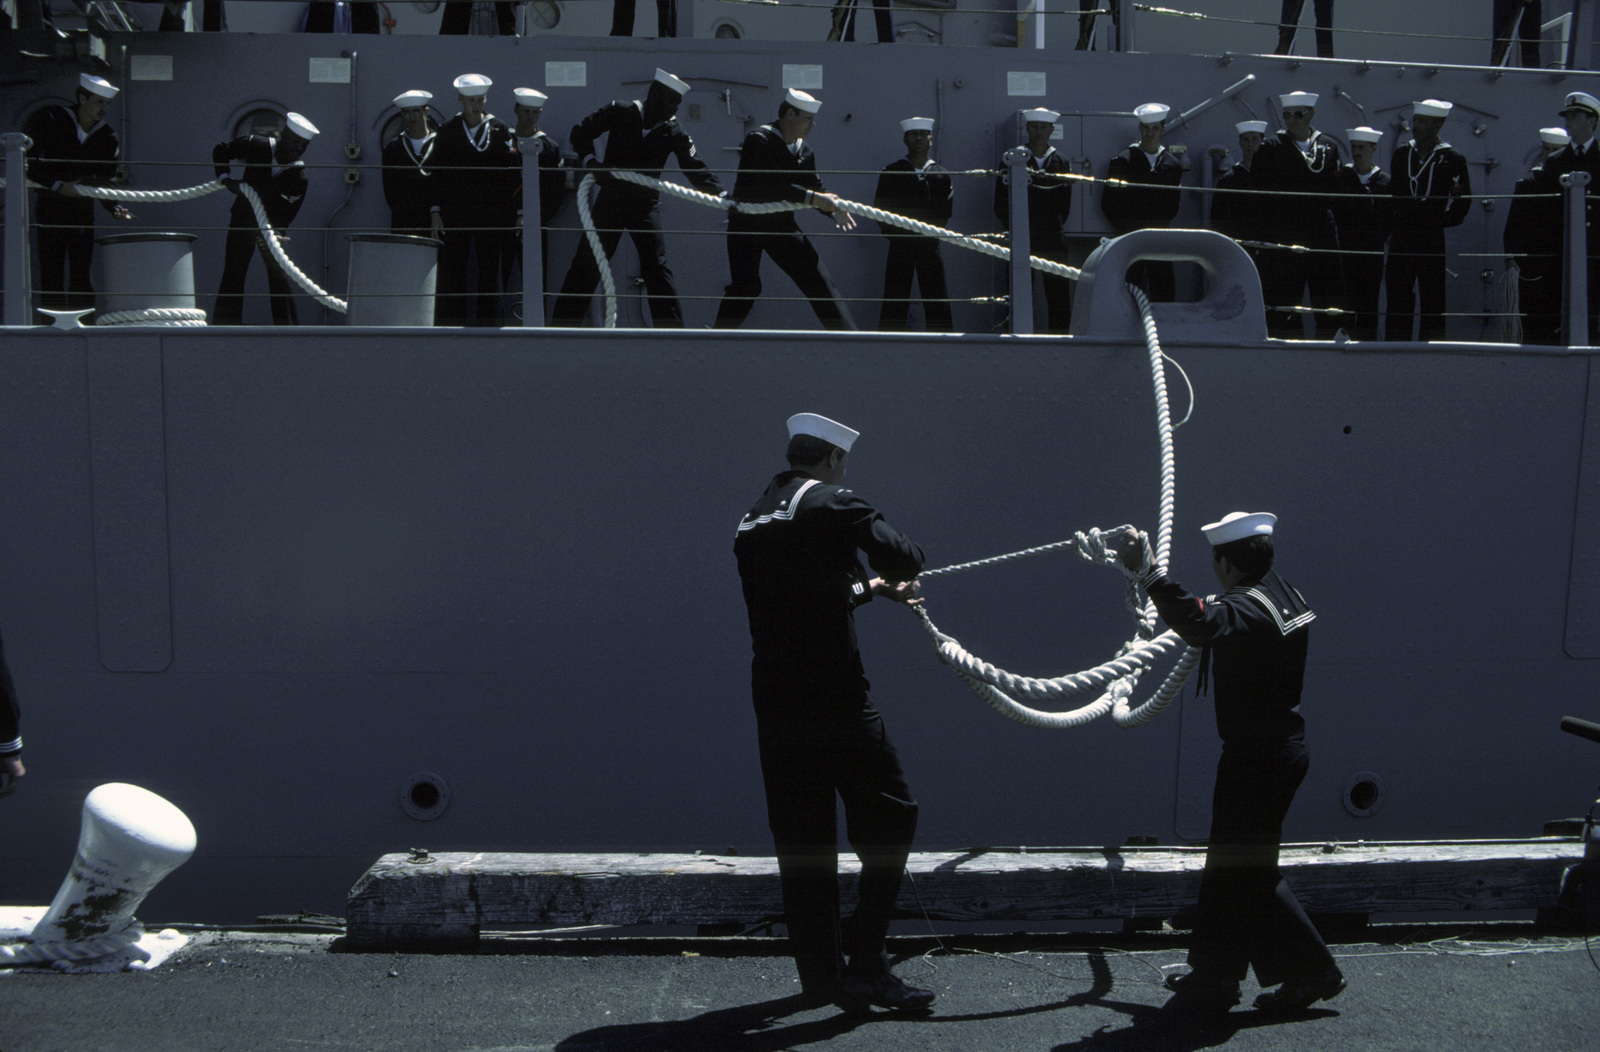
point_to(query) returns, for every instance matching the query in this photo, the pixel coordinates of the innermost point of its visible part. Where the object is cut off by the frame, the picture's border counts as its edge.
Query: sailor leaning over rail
(1432, 191)
(640, 137)
(1049, 205)
(1297, 162)
(798, 551)
(72, 146)
(918, 187)
(776, 164)
(274, 170)
(1141, 193)
(1255, 636)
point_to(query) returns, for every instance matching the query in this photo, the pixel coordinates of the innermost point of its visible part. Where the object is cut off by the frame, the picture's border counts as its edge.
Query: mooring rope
(988, 248)
(73, 950)
(1119, 676)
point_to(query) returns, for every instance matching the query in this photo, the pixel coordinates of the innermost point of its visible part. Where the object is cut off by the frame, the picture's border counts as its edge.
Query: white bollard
(130, 839)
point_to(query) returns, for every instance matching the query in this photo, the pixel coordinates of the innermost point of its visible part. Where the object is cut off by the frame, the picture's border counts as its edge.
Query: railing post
(1575, 268)
(532, 243)
(1021, 247)
(19, 293)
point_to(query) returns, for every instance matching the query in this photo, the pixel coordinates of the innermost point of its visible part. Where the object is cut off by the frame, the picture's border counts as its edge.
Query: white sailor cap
(1554, 136)
(302, 127)
(1237, 525)
(473, 84)
(911, 124)
(1431, 108)
(667, 80)
(97, 86)
(1364, 134)
(823, 428)
(1582, 100)
(1152, 112)
(413, 100)
(1041, 114)
(1246, 127)
(531, 97)
(801, 101)
(1296, 99)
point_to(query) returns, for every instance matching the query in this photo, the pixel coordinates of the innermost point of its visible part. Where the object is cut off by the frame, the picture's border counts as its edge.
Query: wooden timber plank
(447, 899)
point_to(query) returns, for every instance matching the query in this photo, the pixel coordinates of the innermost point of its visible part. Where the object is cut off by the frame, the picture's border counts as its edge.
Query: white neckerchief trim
(782, 514)
(1285, 623)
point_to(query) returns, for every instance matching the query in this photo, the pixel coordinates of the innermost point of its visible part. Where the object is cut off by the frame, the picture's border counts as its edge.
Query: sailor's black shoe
(1200, 992)
(857, 994)
(1296, 995)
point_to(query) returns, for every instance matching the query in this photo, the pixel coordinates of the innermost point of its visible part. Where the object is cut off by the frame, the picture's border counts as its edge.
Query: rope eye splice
(1117, 678)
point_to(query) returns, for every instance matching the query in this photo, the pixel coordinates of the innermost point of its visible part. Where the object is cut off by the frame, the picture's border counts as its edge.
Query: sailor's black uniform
(408, 184)
(926, 195)
(772, 170)
(1431, 194)
(10, 719)
(61, 153)
(479, 181)
(1049, 205)
(1283, 167)
(282, 191)
(1255, 635)
(1573, 158)
(1238, 215)
(1149, 201)
(624, 206)
(819, 733)
(1533, 237)
(1363, 213)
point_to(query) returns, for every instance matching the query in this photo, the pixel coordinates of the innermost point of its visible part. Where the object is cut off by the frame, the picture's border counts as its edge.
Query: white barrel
(130, 839)
(392, 279)
(146, 271)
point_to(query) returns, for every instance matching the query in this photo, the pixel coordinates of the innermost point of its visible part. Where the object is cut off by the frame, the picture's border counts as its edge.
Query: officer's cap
(911, 124)
(302, 127)
(801, 101)
(472, 84)
(1152, 112)
(1581, 100)
(1431, 108)
(531, 97)
(1364, 134)
(1041, 114)
(1237, 525)
(1554, 136)
(413, 100)
(667, 80)
(1298, 99)
(1246, 127)
(821, 427)
(97, 86)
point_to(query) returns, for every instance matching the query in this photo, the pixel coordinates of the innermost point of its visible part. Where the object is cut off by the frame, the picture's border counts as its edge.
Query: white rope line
(111, 193)
(174, 316)
(1119, 676)
(988, 248)
(71, 950)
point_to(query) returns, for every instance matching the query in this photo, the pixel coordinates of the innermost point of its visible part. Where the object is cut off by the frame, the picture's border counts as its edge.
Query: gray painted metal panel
(1583, 601)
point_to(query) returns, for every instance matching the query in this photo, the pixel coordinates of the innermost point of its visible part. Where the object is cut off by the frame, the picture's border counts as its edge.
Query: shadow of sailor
(1165, 1028)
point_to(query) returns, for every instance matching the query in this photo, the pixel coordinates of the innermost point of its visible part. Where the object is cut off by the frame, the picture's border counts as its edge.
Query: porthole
(260, 122)
(1363, 794)
(424, 796)
(726, 29)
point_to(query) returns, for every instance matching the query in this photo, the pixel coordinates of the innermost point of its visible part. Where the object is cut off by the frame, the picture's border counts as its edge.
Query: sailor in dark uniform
(273, 169)
(11, 768)
(775, 164)
(918, 188)
(819, 735)
(1141, 193)
(72, 146)
(458, 17)
(1431, 193)
(1582, 115)
(1254, 637)
(1049, 205)
(478, 175)
(622, 18)
(1236, 213)
(537, 146)
(407, 167)
(1362, 211)
(1299, 161)
(640, 137)
(1533, 244)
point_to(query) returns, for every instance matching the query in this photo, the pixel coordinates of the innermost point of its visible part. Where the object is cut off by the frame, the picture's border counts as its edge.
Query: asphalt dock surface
(1500, 987)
